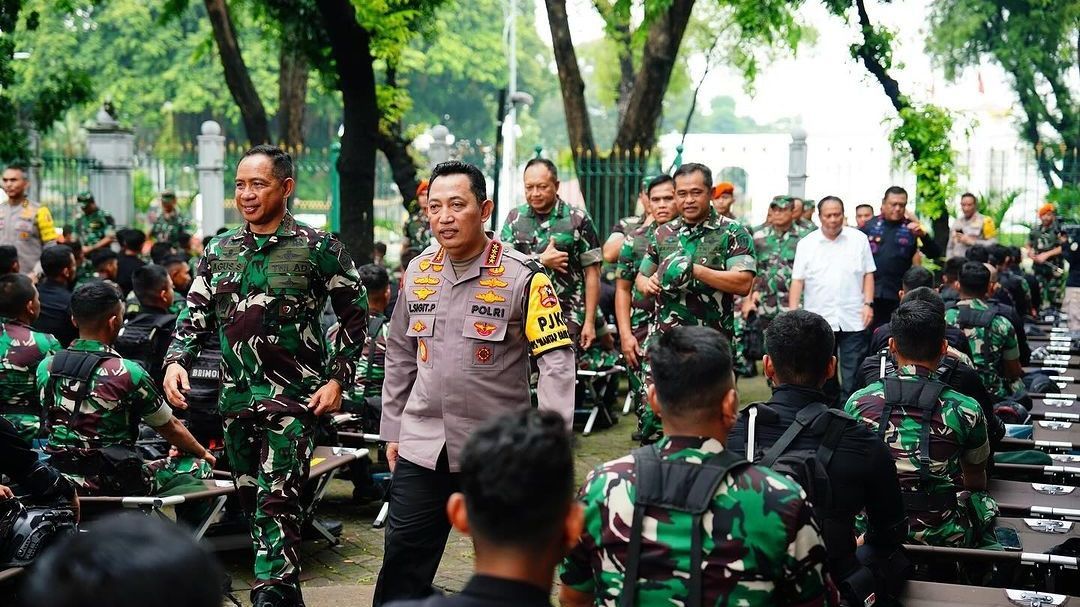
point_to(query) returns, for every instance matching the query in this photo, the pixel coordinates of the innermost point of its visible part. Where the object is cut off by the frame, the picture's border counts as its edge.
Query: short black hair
(915, 277)
(173, 260)
(927, 295)
(800, 344)
(18, 166)
(380, 248)
(102, 256)
(998, 253)
(183, 239)
(9, 256)
(120, 562)
(523, 444)
(864, 206)
(535, 161)
(16, 290)
(94, 301)
(969, 195)
(132, 239)
(1015, 254)
(690, 168)
(951, 270)
(918, 329)
(56, 259)
(829, 199)
(477, 183)
(374, 277)
(895, 189)
(282, 162)
(658, 181)
(977, 253)
(149, 280)
(974, 279)
(692, 369)
(160, 250)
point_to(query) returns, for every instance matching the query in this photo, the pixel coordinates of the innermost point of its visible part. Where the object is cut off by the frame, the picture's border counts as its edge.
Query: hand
(6, 493)
(326, 399)
(209, 458)
(76, 508)
(867, 316)
(87, 250)
(588, 335)
(631, 349)
(748, 305)
(916, 228)
(555, 259)
(652, 285)
(176, 384)
(391, 455)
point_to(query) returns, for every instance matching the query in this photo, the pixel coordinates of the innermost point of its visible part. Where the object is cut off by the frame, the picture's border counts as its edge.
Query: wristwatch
(868, 303)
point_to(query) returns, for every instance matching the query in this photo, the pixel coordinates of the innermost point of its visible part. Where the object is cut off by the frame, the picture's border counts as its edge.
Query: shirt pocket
(226, 298)
(484, 340)
(422, 327)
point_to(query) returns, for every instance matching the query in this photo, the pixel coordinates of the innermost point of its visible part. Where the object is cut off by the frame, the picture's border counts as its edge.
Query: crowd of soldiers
(900, 388)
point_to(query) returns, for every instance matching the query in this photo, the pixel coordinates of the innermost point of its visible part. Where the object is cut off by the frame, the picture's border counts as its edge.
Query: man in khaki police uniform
(472, 311)
(28, 226)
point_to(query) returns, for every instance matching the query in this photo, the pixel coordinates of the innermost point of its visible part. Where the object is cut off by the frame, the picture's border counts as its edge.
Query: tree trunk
(865, 52)
(292, 94)
(237, 77)
(638, 128)
(350, 47)
(573, 87)
(396, 150)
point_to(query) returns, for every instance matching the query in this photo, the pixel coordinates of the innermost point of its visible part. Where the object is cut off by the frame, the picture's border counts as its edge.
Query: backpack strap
(946, 368)
(675, 485)
(803, 419)
(79, 366)
(923, 394)
(969, 318)
(375, 324)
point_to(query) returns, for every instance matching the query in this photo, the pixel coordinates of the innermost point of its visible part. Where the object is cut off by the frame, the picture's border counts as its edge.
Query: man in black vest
(146, 335)
(862, 476)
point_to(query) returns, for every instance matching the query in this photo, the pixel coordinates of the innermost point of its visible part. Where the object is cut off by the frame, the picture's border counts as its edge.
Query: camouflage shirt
(371, 367)
(417, 228)
(958, 433)
(121, 393)
(628, 225)
(264, 296)
(1043, 238)
(573, 231)
(776, 257)
(167, 228)
(93, 228)
(21, 350)
(761, 544)
(717, 243)
(990, 346)
(631, 253)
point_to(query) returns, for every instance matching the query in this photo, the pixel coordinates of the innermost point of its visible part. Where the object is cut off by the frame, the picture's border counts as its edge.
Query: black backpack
(924, 395)
(144, 338)
(674, 485)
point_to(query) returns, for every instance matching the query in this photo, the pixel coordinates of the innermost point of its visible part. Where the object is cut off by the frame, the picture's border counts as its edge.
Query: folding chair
(1040, 534)
(1067, 475)
(215, 491)
(1067, 409)
(932, 594)
(326, 462)
(598, 398)
(1043, 500)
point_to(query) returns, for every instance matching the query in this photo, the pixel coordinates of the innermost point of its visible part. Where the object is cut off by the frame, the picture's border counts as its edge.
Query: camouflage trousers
(270, 454)
(27, 425)
(649, 426)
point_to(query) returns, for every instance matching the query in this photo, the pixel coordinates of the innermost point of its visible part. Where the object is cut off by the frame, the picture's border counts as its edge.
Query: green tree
(1037, 42)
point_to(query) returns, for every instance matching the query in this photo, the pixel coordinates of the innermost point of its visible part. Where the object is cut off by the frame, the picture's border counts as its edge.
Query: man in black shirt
(58, 265)
(520, 530)
(862, 475)
(894, 240)
(130, 258)
(916, 277)
(40, 482)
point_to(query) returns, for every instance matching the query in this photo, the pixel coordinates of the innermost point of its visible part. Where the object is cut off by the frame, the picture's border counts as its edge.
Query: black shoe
(276, 596)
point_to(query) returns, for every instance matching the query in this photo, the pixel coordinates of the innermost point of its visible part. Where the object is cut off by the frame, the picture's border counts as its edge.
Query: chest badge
(484, 355)
(425, 280)
(497, 271)
(494, 283)
(484, 329)
(418, 326)
(423, 294)
(490, 297)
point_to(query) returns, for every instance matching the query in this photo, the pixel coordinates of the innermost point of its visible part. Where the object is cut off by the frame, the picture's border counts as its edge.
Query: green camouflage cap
(782, 202)
(676, 271)
(85, 197)
(168, 195)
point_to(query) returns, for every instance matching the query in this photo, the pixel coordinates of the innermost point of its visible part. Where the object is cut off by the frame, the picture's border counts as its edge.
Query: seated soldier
(9, 260)
(994, 346)
(955, 369)
(95, 400)
(936, 436)
(1003, 306)
(105, 263)
(914, 278)
(669, 554)
(1011, 282)
(520, 531)
(950, 277)
(21, 350)
(860, 470)
(180, 273)
(146, 334)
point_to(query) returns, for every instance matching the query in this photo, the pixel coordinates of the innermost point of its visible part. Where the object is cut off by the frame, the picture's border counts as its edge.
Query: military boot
(276, 596)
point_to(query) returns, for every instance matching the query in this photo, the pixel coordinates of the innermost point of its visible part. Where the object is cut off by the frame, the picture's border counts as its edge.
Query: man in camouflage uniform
(260, 290)
(769, 554)
(1044, 249)
(94, 228)
(803, 215)
(995, 349)
(563, 239)
(627, 226)
(775, 248)
(417, 228)
(633, 310)
(95, 400)
(169, 225)
(21, 350)
(937, 436)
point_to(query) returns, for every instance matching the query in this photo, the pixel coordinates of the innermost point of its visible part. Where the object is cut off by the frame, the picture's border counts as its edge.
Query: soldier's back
(21, 351)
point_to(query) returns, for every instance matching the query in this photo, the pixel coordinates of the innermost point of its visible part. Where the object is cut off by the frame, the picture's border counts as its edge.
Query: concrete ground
(345, 574)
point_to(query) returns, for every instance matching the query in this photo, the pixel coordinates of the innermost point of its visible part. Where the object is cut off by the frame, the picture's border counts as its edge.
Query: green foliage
(996, 204)
(921, 140)
(1067, 201)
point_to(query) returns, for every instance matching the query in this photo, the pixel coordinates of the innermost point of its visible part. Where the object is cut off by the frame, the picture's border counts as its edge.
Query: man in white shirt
(835, 269)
